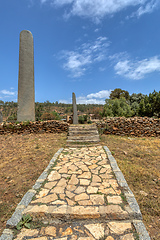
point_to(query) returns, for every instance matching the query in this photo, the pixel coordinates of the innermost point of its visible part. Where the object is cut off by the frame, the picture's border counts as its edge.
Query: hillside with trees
(120, 103)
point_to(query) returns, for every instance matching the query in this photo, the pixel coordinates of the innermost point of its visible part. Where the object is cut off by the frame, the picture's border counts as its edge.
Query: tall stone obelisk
(75, 116)
(26, 94)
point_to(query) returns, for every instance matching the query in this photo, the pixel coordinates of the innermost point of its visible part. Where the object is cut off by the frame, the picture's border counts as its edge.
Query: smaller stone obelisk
(26, 94)
(75, 116)
(1, 116)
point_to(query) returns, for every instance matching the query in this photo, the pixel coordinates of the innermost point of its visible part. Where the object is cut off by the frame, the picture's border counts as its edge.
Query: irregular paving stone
(36, 209)
(80, 190)
(58, 190)
(47, 199)
(97, 199)
(95, 184)
(26, 232)
(105, 184)
(84, 182)
(50, 185)
(107, 191)
(70, 194)
(70, 202)
(67, 232)
(127, 237)
(62, 182)
(85, 238)
(39, 238)
(97, 230)
(54, 176)
(57, 210)
(114, 199)
(119, 227)
(71, 187)
(109, 238)
(96, 178)
(85, 212)
(93, 166)
(84, 168)
(73, 180)
(85, 202)
(64, 238)
(82, 196)
(58, 202)
(50, 230)
(42, 193)
(103, 170)
(63, 170)
(113, 211)
(85, 175)
(91, 189)
(62, 196)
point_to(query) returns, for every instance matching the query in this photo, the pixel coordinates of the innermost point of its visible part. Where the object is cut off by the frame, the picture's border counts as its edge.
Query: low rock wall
(34, 127)
(136, 126)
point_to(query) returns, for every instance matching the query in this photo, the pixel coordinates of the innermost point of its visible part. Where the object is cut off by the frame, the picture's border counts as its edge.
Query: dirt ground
(24, 157)
(139, 160)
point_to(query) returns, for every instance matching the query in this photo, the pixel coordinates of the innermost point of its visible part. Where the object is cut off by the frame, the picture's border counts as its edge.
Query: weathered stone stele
(26, 95)
(1, 116)
(75, 117)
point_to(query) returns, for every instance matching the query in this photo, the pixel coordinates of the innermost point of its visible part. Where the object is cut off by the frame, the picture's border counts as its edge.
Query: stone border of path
(138, 224)
(17, 215)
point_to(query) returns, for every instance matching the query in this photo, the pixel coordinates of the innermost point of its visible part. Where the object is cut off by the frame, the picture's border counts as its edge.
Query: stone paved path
(80, 198)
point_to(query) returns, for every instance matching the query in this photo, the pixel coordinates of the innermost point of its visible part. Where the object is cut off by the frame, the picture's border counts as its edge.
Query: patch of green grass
(24, 222)
(65, 153)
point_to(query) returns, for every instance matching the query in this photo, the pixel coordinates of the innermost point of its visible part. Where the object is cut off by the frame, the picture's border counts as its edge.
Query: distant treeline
(120, 103)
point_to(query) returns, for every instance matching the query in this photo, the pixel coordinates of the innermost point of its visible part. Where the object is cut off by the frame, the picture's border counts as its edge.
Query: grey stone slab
(43, 175)
(37, 185)
(7, 235)
(26, 94)
(16, 217)
(27, 198)
(75, 116)
(141, 230)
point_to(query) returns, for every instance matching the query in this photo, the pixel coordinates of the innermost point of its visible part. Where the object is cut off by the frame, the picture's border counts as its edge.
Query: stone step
(83, 126)
(84, 132)
(109, 212)
(83, 141)
(82, 137)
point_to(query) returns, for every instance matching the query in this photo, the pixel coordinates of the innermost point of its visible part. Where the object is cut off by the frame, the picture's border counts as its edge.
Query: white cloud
(149, 7)
(6, 92)
(97, 9)
(92, 98)
(101, 94)
(137, 69)
(78, 61)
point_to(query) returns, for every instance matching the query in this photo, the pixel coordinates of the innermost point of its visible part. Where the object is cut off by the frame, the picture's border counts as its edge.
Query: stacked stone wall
(34, 127)
(136, 126)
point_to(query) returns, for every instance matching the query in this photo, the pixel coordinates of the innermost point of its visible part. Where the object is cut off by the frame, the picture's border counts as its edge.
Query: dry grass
(139, 160)
(22, 159)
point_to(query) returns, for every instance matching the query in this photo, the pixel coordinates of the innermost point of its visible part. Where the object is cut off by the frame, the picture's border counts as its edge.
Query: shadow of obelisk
(26, 94)
(75, 116)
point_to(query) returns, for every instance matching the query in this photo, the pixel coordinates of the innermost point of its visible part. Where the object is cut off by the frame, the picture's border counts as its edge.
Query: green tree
(118, 93)
(117, 108)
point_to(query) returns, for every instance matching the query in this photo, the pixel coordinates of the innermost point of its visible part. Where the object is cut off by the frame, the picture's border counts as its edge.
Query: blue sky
(89, 47)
